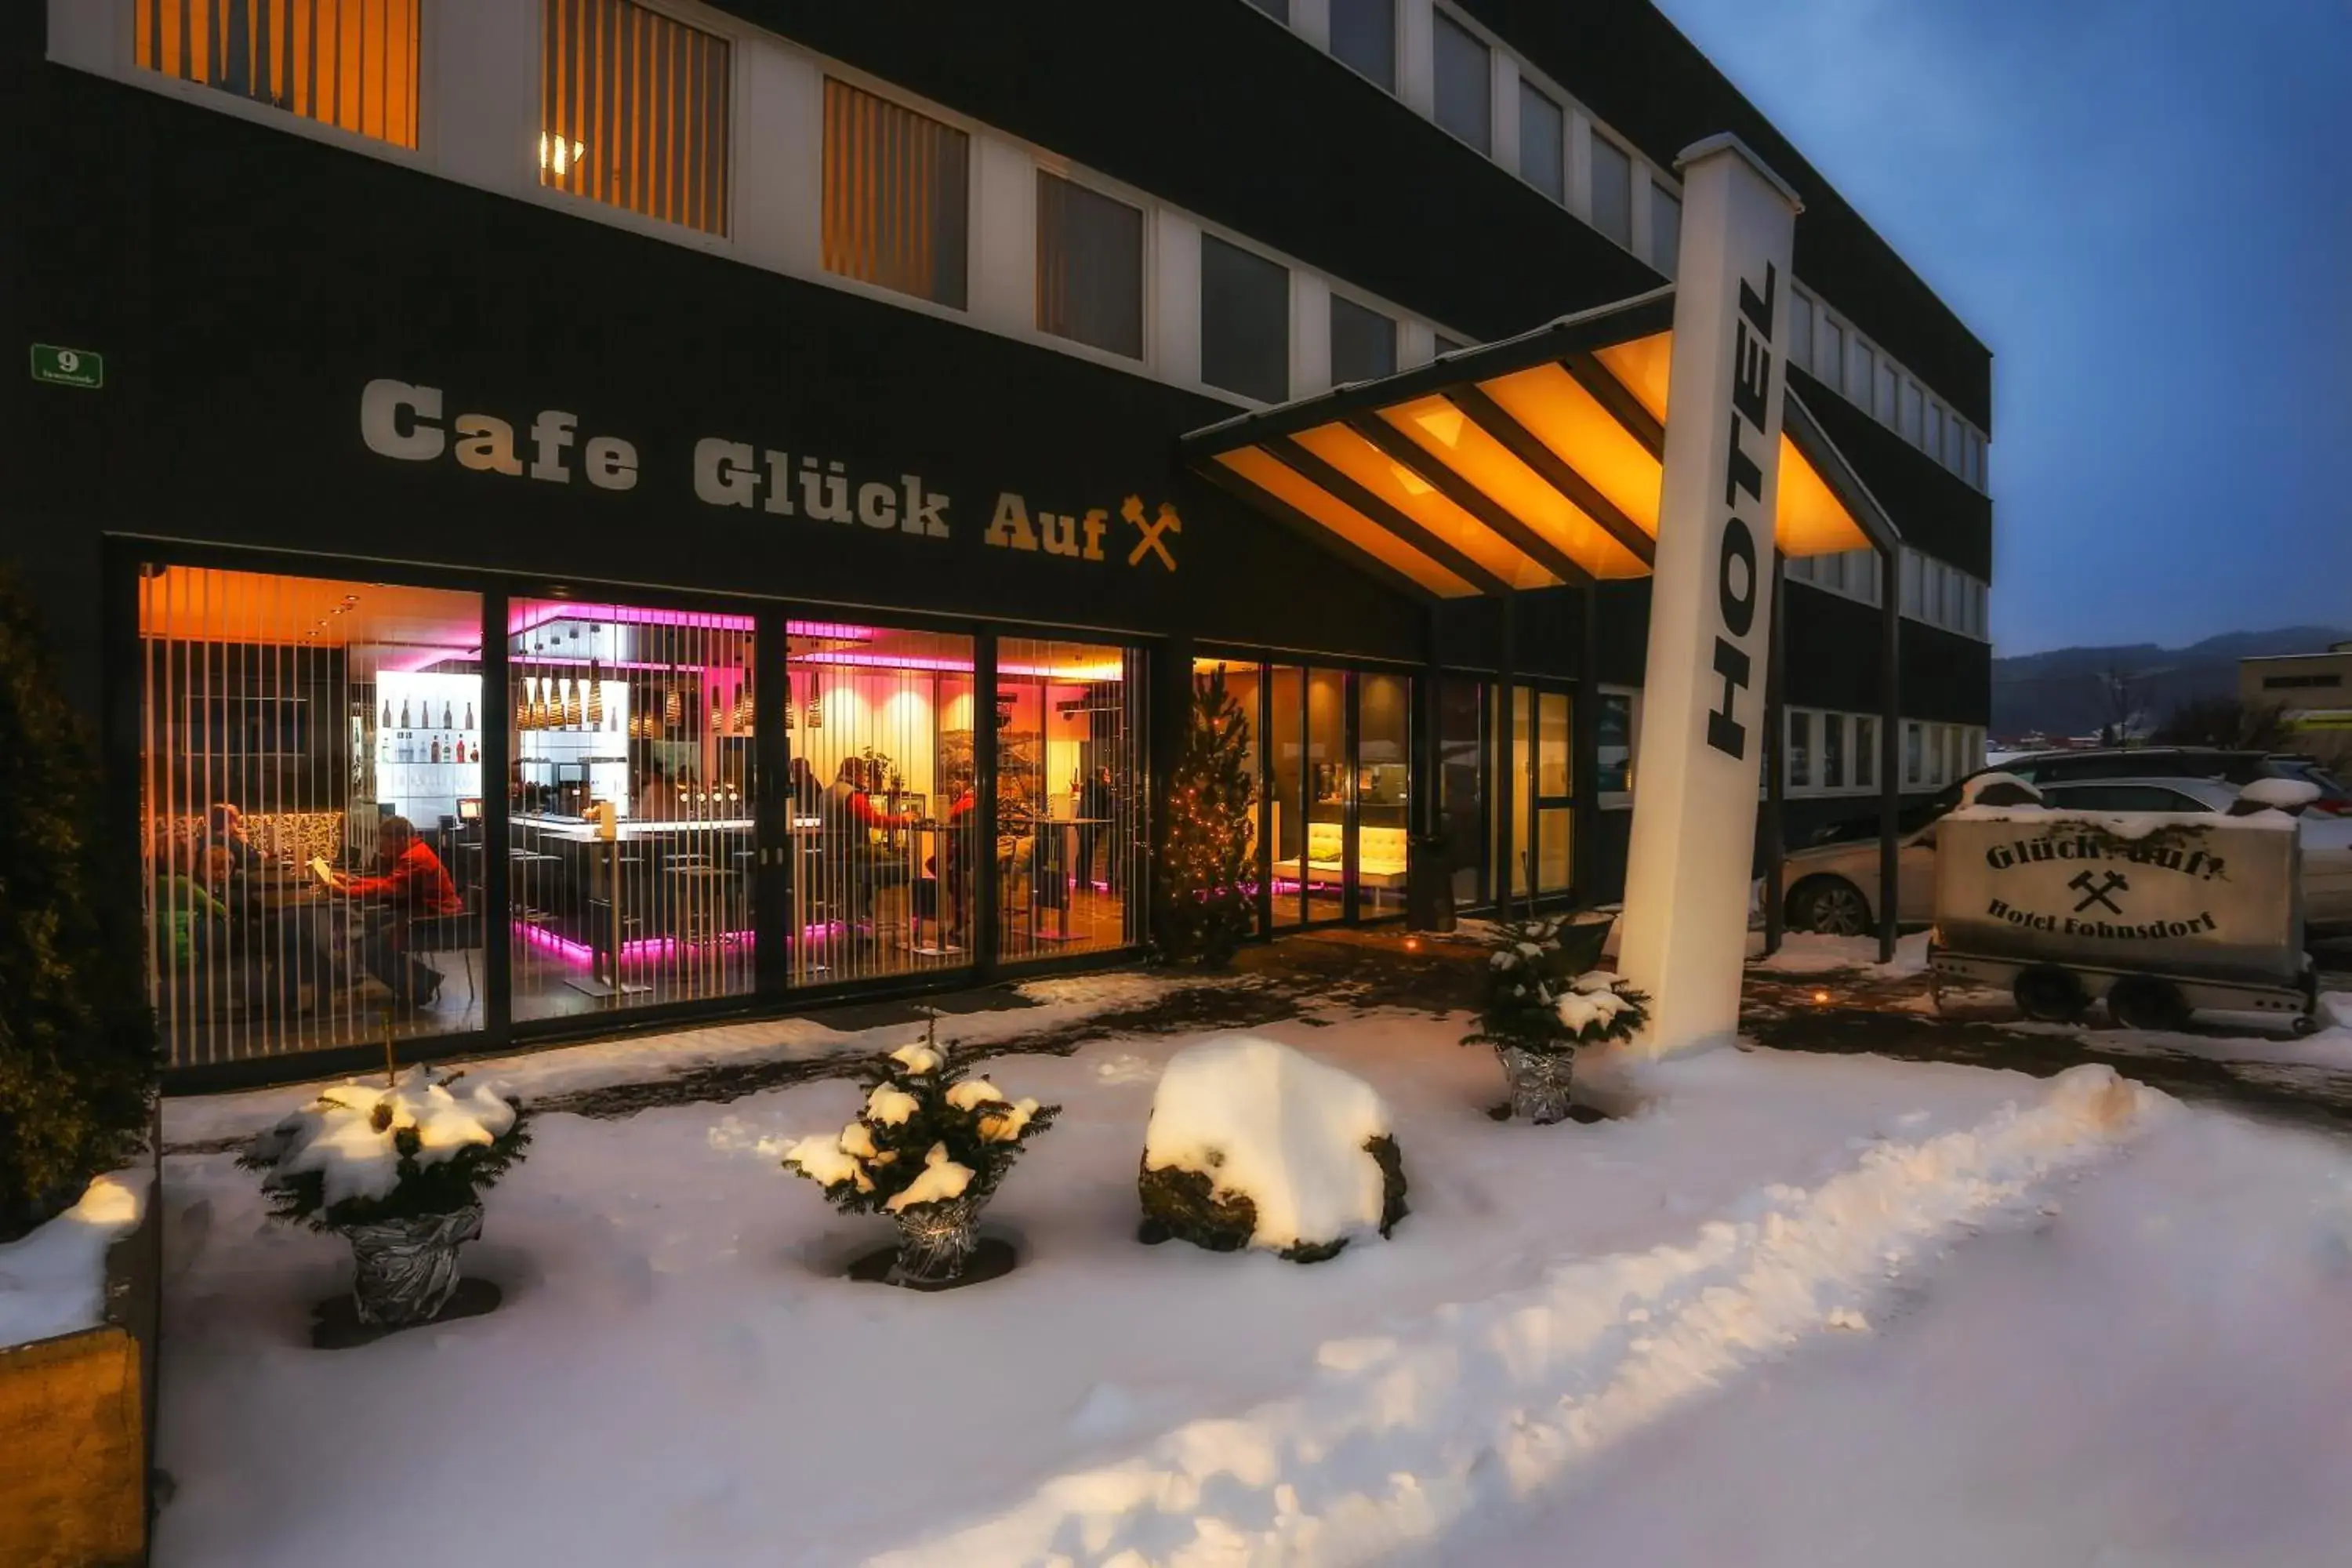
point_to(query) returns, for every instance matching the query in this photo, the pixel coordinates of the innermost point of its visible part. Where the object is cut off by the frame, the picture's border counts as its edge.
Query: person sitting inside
(412, 884)
(656, 798)
(958, 868)
(849, 814)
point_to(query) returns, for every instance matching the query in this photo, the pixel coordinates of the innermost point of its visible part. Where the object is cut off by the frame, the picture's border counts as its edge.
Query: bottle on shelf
(387, 714)
(469, 717)
(445, 724)
(436, 750)
(403, 713)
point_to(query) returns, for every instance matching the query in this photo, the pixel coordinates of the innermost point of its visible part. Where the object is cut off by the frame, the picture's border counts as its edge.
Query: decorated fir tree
(1544, 999)
(1205, 874)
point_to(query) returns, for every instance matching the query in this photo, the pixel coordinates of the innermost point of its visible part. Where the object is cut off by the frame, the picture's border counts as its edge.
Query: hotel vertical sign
(1703, 731)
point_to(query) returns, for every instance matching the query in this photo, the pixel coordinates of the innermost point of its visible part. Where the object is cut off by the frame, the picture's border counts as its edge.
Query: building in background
(765, 420)
(2313, 692)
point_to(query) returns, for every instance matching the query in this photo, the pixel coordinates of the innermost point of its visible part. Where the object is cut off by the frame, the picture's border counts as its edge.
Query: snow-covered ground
(1799, 1301)
(1808, 952)
(53, 1281)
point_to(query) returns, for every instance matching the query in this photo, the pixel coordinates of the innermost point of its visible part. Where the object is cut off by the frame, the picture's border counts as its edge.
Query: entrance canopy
(1526, 463)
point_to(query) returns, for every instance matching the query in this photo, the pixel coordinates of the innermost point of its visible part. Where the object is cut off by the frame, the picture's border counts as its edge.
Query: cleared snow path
(1404, 1438)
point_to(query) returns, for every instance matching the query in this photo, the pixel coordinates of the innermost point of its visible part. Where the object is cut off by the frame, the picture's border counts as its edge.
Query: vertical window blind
(347, 63)
(634, 112)
(1090, 266)
(897, 195)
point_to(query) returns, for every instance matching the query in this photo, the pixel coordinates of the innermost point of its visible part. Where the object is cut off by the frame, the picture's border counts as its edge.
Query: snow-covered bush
(928, 1135)
(1543, 1000)
(1252, 1143)
(362, 1155)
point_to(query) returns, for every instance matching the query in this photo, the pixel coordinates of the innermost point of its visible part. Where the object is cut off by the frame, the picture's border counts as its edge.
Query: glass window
(1979, 462)
(1834, 751)
(1322, 877)
(1801, 749)
(309, 779)
(1244, 321)
(886, 853)
(1363, 343)
(1865, 751)
(1363, 35)
(1951, 753)
(896, 196)
(1090, 266)
(1956, 588)
(1911, 576)
(1934, 431)
(1910, 411)
(1543, 142)
(1915, 753)
(1666, 228)
(1616, 743)
(1277, 9)
(351, 64)
(1882, 405)
(1383, 793)
(1245, 682)
(1861, 371)
(1287, 780)
(1613, 190)
(1465, 82)
(1801, 328)
(633, 111)
(1071, 797)
(1446, 345)
(651, 711)
(1829, 351)
(1462, 707)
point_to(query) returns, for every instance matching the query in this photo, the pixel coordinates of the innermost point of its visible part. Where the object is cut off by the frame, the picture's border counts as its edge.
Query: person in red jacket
(412, 884)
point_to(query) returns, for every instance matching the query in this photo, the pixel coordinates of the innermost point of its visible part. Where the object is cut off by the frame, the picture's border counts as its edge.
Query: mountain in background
(2072, 691)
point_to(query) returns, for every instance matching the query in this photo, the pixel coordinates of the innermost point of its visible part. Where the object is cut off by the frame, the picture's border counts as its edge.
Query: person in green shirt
(182, 904)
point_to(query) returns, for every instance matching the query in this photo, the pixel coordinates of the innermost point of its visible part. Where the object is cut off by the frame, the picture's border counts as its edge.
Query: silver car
(1833, 888)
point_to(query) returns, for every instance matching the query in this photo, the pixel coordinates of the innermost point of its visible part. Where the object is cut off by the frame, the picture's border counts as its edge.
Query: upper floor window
(1363, 343)
(1909, 409)
(350, 64)
(1612, 191)
(1446, 345)
(1465, 82)
(1277, 9)
(1829, 353)
(898, 193)
(1363, 35)
(633, 112)
(1859, 369)
(1883, 404)
(1090, 266)
(1800, 329)
(1543, 142)
(1244, 321)
(1666, 228)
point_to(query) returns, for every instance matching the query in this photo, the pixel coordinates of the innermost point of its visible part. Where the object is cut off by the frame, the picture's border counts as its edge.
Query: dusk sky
(2144, 208)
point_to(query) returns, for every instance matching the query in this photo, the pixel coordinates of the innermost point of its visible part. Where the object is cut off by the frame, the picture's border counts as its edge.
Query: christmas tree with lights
(1207, 880)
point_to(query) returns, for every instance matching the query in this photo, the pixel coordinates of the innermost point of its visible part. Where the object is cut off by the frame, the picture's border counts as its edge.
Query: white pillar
(1702, 742)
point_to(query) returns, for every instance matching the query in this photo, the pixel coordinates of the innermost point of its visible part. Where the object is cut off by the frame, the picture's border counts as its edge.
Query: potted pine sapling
(1544, 1000)
(928, 1149)
(398, 1172)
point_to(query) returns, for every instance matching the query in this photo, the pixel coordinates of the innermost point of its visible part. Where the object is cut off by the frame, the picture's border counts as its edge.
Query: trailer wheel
(2139, 1002)
(2050, 994)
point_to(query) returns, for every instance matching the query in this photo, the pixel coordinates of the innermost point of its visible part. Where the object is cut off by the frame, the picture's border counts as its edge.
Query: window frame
(1338, 301)
(1530, 90)
(1289, 316)
(1396, 48)
(1664, 259)
(1147, 278)
(1634, 164)
(1447, 30)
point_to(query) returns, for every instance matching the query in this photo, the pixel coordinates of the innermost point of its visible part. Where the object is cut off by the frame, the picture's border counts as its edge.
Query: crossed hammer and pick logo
(1151, 528)
(2096, 892)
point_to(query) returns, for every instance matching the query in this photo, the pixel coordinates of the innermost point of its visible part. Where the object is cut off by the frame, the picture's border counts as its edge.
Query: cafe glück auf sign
(2135, 890)
(406, 421)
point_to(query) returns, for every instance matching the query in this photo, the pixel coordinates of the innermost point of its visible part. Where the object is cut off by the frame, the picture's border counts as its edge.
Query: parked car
(1833, 888)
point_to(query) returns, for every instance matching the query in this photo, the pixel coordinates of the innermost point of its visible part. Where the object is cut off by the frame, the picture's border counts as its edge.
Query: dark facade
(247, 286)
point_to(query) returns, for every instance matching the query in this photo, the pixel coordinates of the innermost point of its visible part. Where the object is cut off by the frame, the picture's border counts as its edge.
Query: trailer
(2157, 914)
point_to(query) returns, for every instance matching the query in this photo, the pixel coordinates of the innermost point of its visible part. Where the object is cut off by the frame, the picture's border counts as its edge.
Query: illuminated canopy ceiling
(1522, 464)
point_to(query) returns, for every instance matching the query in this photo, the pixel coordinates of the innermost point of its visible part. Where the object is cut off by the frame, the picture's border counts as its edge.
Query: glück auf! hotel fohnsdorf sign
(407, 421)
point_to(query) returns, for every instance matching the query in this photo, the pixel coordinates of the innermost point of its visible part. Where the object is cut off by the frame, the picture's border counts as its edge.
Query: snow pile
(1408, 1435)
(1263, 1121)
(1810, 953)
(53, 1281)
(354, 1136)
(1997, 789)
(2280, 794)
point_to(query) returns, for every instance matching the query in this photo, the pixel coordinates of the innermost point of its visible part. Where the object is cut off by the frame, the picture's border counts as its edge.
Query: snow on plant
(926, 1135)
(1543, 995)
(361, 1154)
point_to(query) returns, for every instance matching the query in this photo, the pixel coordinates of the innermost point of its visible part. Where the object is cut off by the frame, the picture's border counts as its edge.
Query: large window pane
(1071, 797)
(1666, 228)
(1327, 784)
(346, 63)
(1363, 35)
(1865, 753)
(897, 195)
(633, 112)
(1465, 82)
(1244, 321)
(649, 710)
(1829, 353)
(1363, 343)
(1613, 190)
(1616, 743)
(310, 786)
(1834, 751)
(1383, 793)
(886, 849)
(1244, 684)
(1090, 266)
(1860, 370)
(1462, 785)
(1799, 774)
(1543, 149)
(1286, 787)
